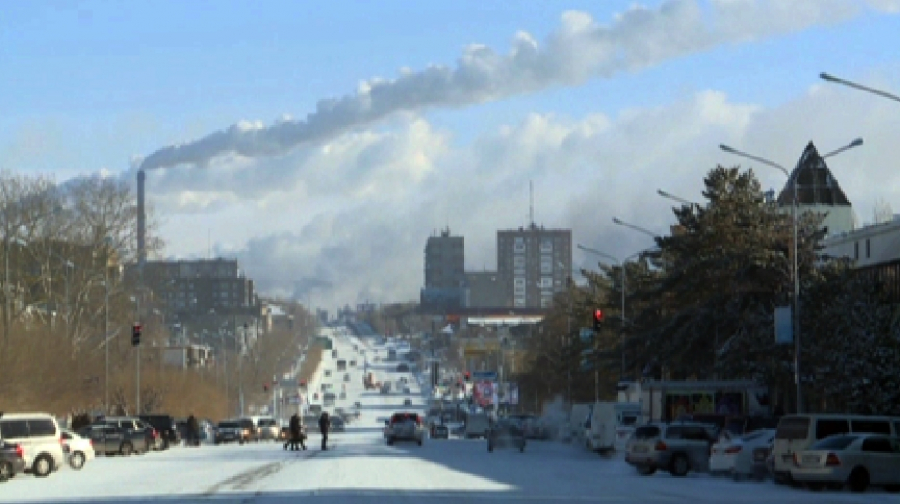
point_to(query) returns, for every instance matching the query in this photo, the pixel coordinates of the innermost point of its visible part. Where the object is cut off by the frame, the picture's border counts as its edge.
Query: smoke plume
(578, 50)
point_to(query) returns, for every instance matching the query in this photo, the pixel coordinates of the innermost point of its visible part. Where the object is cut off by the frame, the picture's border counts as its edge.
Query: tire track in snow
(244, 479)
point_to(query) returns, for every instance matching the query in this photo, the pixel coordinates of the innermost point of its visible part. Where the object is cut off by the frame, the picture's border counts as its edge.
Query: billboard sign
(484, 376)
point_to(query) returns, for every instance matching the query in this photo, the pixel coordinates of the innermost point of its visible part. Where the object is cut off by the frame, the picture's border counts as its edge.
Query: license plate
(639, 449)
(810, 459)
(759, 457)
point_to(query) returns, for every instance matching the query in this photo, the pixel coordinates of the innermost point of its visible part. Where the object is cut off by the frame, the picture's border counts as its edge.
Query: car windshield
(228, 425)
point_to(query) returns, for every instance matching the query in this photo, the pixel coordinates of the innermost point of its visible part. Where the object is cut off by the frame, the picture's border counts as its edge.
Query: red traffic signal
(468, 376)
(265, 387)
(136, 335)
(598, 319)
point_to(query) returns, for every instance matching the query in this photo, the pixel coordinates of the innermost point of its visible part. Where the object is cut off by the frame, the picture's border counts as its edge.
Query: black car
(12, 460)
(228, 431)
(506, 433)
(440, 431)
(167, 428)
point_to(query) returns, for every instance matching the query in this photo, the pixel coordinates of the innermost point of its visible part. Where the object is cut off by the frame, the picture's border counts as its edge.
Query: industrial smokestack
(141, 221)
(579, 50)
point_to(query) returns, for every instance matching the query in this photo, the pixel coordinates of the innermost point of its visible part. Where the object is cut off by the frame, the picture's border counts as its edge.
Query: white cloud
(350, 217)
(580, 49)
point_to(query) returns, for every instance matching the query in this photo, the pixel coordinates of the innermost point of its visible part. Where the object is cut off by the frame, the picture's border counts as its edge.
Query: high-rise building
(444, 261)
(534, 263)
(444, 270)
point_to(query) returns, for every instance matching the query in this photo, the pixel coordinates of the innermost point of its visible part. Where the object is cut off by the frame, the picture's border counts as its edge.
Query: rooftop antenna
(531, 202)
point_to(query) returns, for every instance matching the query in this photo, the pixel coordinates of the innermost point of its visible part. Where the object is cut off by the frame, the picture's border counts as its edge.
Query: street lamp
(884, 94)
(621, 265)
(619, 222)
(683, 201)
(795, 204)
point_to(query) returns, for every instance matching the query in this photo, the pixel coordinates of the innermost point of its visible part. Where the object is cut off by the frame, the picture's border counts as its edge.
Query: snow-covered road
(362, 469)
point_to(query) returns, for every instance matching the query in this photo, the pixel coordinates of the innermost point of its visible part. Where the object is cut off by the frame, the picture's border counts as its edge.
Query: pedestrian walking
(193, 428)
(296, 434)
(324, 425)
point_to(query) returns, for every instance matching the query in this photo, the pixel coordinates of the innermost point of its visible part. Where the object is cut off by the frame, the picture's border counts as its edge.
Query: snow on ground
(361, 468)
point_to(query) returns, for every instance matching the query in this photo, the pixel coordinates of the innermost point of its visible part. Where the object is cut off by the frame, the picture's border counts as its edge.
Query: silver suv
(678, 447)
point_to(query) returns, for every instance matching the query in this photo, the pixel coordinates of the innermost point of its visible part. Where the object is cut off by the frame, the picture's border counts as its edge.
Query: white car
(730, 452)
(78, 449)
(855, 460)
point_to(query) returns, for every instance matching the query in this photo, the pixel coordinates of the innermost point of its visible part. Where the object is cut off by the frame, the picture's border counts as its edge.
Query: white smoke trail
(578, 50)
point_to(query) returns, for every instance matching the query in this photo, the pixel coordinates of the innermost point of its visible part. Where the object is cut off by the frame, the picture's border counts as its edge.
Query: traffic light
(265, 387)
(136, 335)
(598, 319)
(468, 376)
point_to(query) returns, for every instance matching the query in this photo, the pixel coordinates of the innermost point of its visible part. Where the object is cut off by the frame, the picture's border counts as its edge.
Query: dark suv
(249, 432)
(166, 427)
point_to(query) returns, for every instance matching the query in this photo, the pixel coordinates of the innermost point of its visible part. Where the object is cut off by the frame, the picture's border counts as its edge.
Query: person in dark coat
(193, 428)
(324, 425)
(296, 433)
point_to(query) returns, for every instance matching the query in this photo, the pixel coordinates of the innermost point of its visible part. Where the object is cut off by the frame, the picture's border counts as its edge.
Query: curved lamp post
(795, 271)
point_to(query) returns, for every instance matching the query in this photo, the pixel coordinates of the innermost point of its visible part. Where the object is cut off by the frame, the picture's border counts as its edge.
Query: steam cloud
(577, 51)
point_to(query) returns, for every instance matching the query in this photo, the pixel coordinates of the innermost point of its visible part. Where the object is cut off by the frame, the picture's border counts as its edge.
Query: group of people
(296, 441)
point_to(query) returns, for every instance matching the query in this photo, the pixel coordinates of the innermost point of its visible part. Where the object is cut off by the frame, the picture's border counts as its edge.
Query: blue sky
(85, 86)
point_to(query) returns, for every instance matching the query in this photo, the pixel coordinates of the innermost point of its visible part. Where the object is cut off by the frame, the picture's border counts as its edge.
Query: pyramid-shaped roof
(817, 186)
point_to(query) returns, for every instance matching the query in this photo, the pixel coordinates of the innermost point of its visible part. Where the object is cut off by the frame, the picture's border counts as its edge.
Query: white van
(797, 432)
(39, 436)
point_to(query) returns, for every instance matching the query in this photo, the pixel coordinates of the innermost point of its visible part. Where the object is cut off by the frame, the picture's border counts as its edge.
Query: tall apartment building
(199, 287)
(444, 270)
(534, 264)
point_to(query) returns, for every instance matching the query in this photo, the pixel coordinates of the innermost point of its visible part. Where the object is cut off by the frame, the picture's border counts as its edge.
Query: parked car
(167, 428)
(110, 438)
(38, 435)
(742, 457)
(12, 460)
(404, 427)
(78, 450)
(136, 425)
(857, 460)
(506, 433)
(337, 423)
(678, 447)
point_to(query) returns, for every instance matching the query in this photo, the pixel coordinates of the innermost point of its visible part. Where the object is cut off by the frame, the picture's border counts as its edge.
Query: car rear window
(646, 432)
(13, 429)
(228, 425)
(266, 423)
(829, 427)
(41, 427)
(793, 428)
(833, 443)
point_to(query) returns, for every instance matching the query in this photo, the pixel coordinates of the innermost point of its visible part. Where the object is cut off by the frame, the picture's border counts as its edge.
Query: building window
(546, 245)
(519, 261)
(856, 250)
(519, 282)
(546, 282)
(868, 249)
(519, 302)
